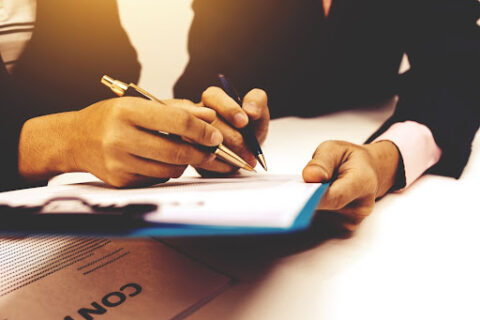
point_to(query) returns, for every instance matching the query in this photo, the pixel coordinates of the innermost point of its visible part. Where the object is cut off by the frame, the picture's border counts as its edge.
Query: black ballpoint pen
(248, 131)
(120, 88)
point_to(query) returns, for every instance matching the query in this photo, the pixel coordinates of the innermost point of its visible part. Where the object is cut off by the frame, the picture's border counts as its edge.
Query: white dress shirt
(17, 19)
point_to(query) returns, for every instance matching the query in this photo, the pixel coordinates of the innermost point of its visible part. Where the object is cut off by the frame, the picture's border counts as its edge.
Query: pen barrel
(131, 92)
(248, 133)
(207, 149)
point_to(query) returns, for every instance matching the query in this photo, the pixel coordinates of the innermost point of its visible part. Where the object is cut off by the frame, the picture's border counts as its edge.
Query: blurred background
(158, 29)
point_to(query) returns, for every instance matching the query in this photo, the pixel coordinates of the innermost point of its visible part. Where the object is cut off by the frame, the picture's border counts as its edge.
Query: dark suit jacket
(310, 65)
(74, 43)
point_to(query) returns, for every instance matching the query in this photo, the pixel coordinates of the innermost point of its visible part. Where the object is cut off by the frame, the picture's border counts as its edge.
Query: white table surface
(415, 257)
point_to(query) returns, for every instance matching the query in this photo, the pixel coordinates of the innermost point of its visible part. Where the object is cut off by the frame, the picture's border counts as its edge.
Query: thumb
(255, 104)
(325, 161)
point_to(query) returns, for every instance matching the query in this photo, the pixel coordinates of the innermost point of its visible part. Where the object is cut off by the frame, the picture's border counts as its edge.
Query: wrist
(386, 158)
(46, 147)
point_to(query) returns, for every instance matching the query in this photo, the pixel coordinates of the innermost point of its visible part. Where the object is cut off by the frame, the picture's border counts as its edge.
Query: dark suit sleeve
(442, 89)
(11, 122)
(218, 43)
(250, 41)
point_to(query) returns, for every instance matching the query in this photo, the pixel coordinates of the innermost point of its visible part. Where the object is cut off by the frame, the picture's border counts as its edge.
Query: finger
(157, 147)
(225, 106)
(234, 141)
(217, 166)
(139, 181)
(170, 119)
(205, 114)
(358, 209)
(325, 161)
(128, 180)
(150, 168)
(333, 222)
(347, 188)
(355, 212)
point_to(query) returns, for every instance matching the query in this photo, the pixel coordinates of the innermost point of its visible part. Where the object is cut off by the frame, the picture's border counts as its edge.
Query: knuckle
(113, 167)
(189, 122)
(328, 144)
(180, 156)
(184, 119)
(325, 145)
(334, 147)
(118, 181)
(364, 211)
(321, 149)
(111, 142)
(204, 133)
(210, 93)
(186, 102)
(338, 202)
(119, 108)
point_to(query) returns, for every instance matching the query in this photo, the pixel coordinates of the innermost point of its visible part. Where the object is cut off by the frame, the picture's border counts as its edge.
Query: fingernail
(316, 173)
(216, 138)
(240, 119)
(251, 107)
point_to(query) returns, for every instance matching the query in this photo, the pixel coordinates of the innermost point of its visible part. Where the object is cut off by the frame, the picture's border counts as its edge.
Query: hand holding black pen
(248, 132)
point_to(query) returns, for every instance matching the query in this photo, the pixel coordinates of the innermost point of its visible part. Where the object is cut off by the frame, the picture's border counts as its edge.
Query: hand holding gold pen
(120, 88)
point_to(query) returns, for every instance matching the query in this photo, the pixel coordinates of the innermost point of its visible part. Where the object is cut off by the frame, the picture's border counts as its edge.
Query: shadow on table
(245, 258)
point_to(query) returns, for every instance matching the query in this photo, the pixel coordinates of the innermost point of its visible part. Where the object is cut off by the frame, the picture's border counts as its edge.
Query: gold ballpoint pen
(121, 88)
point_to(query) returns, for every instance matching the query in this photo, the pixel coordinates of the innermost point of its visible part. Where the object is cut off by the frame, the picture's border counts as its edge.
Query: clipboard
(71, 215)
(75, 216)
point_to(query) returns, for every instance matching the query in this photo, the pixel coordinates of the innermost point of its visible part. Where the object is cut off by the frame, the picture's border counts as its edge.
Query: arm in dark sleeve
(250, 41)
(73, 45)
(442, 88)
(11, 122)
(223, 39)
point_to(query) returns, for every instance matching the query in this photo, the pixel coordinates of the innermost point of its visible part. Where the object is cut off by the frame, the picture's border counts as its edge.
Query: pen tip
(263, 163)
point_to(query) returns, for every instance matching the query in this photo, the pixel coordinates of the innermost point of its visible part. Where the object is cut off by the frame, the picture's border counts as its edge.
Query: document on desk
(95, 278)
(251, 203)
